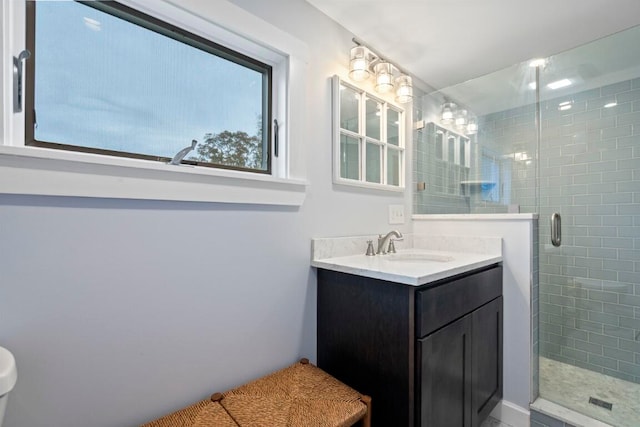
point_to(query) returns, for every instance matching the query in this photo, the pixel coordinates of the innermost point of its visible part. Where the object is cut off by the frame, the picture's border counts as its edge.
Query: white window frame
(361, 135)
(45, 171)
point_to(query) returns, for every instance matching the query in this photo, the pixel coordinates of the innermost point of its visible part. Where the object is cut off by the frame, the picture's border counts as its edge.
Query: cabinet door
(444, 361)
(487, 359)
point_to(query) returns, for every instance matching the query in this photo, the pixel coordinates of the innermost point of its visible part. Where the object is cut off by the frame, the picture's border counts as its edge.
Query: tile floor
(572, 387)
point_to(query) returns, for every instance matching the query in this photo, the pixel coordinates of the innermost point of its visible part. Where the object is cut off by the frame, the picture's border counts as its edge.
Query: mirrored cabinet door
(373, 118)
(374, 162)
(368, 139)
(349, 157)
(393, 166)
(349, 109)
(393, 127)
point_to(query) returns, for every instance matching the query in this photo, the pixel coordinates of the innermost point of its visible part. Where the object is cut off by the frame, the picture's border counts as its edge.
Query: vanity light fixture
(384, 77)
(359, 64)
(364, 62)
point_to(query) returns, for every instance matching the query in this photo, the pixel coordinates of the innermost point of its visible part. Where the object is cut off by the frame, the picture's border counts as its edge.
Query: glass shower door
(589, 180)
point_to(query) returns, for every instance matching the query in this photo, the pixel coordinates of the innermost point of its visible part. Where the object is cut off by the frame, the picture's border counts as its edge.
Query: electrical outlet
(396, 214)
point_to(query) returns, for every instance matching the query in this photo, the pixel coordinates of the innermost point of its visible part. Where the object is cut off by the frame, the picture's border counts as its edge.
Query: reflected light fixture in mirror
(472, 127)
(447, 113)
(461, 119)
(359, 64)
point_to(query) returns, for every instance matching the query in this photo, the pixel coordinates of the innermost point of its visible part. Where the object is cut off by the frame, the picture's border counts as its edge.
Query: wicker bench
(301, 395)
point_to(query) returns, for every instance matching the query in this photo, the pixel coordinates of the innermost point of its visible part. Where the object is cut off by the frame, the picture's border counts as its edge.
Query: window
(368, 139)
(260, 79)
(110, 80)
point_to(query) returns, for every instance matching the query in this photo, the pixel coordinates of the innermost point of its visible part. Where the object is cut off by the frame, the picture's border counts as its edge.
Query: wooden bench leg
(366, 421)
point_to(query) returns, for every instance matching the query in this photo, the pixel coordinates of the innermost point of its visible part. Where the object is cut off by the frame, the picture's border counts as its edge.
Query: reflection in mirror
(349, 157)
(349, 105)
(453, 181)
(373, 117)
(501, 120)
(393, 167)
(463, 151)
(451, 147)
(445, 165)
(393, 126)
(439, 144)
(373, 162)
(492, 172)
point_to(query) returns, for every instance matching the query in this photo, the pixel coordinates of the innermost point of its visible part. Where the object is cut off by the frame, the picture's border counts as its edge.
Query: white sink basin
(418, 257)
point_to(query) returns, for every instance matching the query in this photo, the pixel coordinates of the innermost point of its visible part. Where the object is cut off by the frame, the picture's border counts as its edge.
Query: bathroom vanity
(426, 347)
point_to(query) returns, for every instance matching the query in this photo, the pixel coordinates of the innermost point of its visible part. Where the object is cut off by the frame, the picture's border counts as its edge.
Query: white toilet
(8, 376)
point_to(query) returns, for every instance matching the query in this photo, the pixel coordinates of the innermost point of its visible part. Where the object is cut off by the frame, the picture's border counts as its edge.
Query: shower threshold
(565, 415)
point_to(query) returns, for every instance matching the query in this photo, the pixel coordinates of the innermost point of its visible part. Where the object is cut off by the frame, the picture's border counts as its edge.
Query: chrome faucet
(383, 241)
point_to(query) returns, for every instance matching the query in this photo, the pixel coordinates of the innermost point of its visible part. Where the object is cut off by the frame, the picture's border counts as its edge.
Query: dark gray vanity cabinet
(460, 369)
(428, 355)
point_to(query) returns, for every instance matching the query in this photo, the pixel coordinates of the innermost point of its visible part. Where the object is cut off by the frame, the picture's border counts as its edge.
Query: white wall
(119, 311)
(517, 249)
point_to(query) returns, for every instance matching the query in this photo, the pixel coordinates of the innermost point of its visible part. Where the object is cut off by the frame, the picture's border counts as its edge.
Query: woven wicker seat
(301, 395)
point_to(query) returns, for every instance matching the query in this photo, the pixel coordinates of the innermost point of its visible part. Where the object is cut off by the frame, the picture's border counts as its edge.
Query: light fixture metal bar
(378, 55)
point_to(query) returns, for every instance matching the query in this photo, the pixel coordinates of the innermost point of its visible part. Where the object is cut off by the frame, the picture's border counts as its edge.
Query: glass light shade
(384, 77)
(404, 89)
(461, 118)
(447, 113)
(359, 65)
(472, 127)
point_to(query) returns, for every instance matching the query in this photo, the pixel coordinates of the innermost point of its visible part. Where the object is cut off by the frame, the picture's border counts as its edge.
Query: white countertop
(469, 254)
(476, 217)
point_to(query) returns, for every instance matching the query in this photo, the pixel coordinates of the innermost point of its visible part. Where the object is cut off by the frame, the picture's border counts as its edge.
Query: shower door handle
(556, 229)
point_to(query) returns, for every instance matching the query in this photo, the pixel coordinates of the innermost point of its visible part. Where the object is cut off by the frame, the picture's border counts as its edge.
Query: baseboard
(511, 414)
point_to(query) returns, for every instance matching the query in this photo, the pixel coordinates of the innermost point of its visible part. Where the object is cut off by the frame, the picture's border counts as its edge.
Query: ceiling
(445, 42)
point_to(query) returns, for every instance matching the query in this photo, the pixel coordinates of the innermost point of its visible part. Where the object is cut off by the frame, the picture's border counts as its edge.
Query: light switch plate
(396, 214)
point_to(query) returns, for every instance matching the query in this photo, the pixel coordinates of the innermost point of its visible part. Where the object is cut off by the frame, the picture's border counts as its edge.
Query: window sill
(368, 185)
(36, 171)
